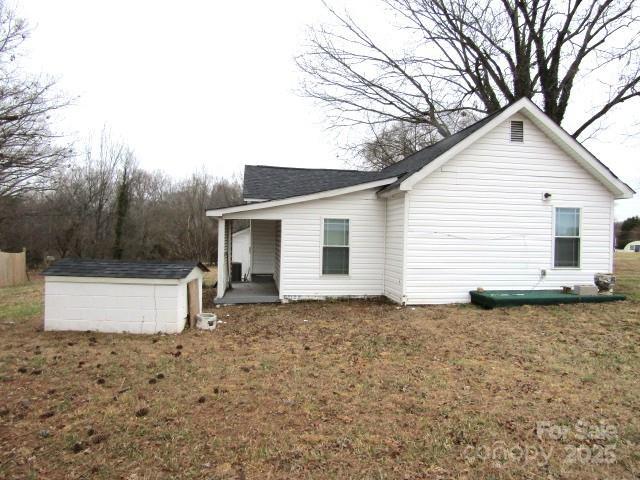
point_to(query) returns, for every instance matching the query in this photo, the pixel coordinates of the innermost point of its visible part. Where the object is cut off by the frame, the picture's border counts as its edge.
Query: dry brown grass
(627, 267)
(321, 390)
(210, 277)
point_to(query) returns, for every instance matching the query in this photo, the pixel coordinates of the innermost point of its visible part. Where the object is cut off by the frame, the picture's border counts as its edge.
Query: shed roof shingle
(73, 267)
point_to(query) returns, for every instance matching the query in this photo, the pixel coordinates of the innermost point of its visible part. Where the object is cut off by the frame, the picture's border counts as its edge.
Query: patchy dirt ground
(328, 390)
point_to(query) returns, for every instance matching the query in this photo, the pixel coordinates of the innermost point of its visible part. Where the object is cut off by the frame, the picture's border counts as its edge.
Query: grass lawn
(345, 390)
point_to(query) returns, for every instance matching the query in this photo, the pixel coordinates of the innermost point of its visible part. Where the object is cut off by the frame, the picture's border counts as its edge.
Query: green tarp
(504, 298)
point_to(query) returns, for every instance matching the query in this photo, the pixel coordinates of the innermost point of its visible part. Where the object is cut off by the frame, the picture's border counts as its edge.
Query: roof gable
(526, 107)
(413, 163)
(268, 184)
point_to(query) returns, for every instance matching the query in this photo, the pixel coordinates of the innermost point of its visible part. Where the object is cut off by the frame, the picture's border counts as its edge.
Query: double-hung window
(335, 247)
(567, 238)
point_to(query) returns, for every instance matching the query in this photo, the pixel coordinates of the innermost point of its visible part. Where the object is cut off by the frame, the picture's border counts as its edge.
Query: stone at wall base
(585, 290)
(605, 282)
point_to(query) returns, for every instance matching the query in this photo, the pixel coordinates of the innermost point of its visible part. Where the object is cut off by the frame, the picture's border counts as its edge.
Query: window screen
(567, 238)
(335, 247)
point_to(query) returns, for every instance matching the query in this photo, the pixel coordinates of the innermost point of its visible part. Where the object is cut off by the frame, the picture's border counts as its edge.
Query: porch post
(222, 264)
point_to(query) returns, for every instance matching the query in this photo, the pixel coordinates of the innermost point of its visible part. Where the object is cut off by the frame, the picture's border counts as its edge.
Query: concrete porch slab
(250, 292)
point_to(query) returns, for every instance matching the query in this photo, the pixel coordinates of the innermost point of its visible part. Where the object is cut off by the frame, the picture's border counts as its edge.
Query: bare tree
(29, 149)
(145, 215)
(475, 57)
(123, 202)
(101, 180)
(389, 143)
(192, 234)
(83, 196)
(150, 213)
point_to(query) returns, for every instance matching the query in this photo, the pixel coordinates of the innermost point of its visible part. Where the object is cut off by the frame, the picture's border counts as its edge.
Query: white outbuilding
(122, 296)
(632, 246)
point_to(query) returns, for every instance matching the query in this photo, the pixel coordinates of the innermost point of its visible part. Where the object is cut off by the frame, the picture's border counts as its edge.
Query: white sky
(192, 83)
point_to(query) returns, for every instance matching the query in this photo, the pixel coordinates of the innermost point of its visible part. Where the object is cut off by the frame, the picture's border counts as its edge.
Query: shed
(122, 296)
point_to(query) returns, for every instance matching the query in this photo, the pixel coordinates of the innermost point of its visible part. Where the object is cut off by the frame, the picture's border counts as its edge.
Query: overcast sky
(192, 83)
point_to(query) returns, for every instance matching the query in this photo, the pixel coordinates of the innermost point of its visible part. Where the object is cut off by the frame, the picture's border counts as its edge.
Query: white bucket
(206, 321)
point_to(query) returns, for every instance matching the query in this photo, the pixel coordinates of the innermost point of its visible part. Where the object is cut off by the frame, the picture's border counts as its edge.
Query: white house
(122, 296)
(511, 202)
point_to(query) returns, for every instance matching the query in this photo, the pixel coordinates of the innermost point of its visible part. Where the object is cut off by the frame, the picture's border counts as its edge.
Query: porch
(249, 253)
(261, 289)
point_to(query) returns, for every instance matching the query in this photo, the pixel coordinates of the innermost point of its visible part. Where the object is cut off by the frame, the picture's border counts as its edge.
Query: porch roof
(219, 212)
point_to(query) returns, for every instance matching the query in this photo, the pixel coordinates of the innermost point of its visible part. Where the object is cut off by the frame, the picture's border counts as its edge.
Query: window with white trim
(567, 238)
(335, 247)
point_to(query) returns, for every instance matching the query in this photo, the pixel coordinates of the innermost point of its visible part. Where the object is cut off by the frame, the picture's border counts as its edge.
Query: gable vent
(517, 131)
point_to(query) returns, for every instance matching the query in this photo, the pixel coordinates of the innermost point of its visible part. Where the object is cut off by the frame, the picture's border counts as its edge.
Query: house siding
(480, 220)
(301, 250)
(263, 238)
(394, 248)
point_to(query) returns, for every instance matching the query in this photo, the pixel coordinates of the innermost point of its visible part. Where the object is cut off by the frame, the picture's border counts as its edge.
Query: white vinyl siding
(301, 245)
(263, 247)
(394, 247)
(481, 221)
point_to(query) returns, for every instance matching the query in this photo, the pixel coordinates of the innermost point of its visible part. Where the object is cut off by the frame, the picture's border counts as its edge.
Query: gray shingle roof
(262, 182)
(73, 267)
(272, 183)
(422, 158)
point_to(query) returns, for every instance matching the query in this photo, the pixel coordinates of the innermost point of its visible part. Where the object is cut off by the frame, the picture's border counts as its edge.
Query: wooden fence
(13, 268)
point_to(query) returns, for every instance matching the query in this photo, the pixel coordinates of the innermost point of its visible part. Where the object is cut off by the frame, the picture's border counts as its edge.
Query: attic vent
(517, 131)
